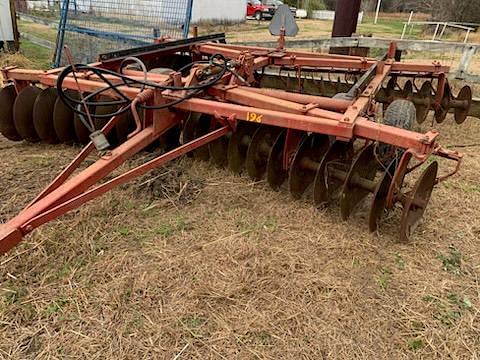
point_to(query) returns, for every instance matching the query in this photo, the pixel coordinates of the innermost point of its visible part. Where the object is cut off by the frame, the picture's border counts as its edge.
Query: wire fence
(90, 27)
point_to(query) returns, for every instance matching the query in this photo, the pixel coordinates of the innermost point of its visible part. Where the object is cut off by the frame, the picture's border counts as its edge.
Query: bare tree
(455, 10)
(444, 10)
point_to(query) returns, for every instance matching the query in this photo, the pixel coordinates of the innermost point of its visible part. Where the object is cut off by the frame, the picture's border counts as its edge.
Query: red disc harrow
(256, 110)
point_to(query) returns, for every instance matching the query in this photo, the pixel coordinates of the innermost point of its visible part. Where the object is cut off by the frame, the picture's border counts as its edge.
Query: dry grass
(212, 264)
(252, 30)
(194, 262)
(474, 37)
(16, 59)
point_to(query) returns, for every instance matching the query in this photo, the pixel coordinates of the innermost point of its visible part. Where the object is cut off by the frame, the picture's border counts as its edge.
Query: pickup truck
(256, 9)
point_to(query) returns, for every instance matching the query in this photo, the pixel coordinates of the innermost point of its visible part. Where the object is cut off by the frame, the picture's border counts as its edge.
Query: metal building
(219, 11)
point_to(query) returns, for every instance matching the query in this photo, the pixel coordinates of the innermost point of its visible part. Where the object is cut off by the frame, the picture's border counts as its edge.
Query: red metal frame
(228, 101)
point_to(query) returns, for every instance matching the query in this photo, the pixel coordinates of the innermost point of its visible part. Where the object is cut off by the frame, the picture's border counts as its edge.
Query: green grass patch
(69, 267)
(193, 324)
(38, 30)
(385, 28)
(13, 295)
(56, 306)
(452, 262)
(384, 279)
(399, 261)
(40, 56)
(169, 228)
(448, 311)
(416, 344)
(461, 186)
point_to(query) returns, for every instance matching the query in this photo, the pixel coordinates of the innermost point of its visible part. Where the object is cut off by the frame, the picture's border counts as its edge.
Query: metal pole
(466, 36)
(188, 15)
(346, 18)
(406, 25)
(465, 62)
(345, 23)
(379, 3)
(436, 31)
(61, 33)
(443, 31)
(404, 30)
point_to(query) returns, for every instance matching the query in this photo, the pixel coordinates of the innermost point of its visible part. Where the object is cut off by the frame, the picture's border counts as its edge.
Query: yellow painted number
(254, 117)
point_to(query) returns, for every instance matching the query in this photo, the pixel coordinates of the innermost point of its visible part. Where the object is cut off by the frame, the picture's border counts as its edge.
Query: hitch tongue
(9, 237)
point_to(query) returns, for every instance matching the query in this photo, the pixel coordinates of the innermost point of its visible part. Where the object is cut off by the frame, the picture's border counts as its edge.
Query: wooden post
(16, 34)
(345, 22)
(465, 62)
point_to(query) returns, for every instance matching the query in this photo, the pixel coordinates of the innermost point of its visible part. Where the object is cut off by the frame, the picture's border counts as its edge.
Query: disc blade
(305, 163)
(276, 174)
(390, 89)
(417, 201)
(23, 113)
(425, 96)
(238, 145)
(325, 187)
(379, 201)
(407, 91)
(82, 134)
(171, 139)
(461, 113)
(63, 119)
(218, 151)
(101, 122)
(195, 126)
(364, 167)
(442, 112)
(125, 125)
(43, 115)
(259, 150)
(7, 127)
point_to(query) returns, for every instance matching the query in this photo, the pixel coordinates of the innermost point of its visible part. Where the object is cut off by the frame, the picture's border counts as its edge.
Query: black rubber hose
(128, 81)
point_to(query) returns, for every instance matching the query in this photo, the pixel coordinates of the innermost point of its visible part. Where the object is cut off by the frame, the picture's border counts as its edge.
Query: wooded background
(444, 10)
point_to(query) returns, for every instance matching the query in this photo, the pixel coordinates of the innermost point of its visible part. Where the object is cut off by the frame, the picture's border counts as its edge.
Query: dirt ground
(195, 261)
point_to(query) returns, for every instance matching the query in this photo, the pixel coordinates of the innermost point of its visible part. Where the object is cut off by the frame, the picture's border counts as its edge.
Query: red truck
(256, 9)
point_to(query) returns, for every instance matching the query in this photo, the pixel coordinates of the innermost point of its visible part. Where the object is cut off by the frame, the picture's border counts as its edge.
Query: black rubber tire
(400, 114)
(258, 16)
